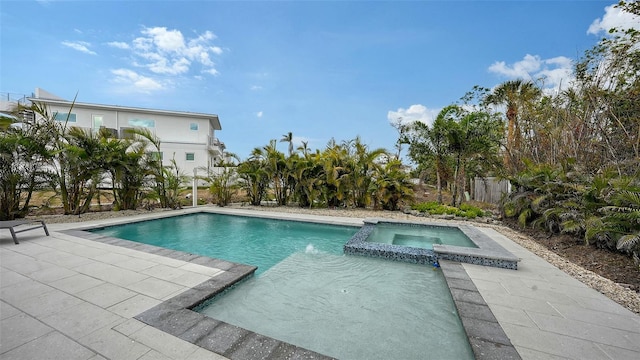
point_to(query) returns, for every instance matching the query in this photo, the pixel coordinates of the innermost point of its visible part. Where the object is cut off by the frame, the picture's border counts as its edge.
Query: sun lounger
(12, 224)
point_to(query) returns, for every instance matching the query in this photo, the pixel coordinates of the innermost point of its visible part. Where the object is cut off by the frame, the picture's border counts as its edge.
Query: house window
(146, 123)
(193, 126)
(191, 156)
(64, 117)
(98, 122)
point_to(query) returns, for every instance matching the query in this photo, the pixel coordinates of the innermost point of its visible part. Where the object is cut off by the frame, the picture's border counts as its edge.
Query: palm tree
(392, 186)
(304, 148)
(276, 168)
(475, 136)
(254, 175)
(516, 95)
(334, 159)
(429, 146)
(24, 154)
(288, 137)
(362, 165)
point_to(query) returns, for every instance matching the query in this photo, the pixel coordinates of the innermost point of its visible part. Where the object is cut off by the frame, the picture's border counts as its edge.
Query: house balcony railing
(14, 98)
(215, 145)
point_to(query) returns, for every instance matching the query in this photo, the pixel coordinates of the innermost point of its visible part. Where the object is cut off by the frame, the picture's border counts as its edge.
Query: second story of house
(188, 137)
(170, 126)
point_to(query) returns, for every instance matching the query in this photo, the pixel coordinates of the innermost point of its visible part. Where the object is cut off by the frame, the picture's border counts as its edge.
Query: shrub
(434, 208)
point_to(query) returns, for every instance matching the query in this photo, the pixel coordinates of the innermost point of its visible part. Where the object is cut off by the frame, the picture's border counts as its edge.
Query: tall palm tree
(515, 95)
(288, 137)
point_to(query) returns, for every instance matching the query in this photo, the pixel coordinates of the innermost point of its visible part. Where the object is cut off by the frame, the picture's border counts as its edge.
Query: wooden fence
(490, 189)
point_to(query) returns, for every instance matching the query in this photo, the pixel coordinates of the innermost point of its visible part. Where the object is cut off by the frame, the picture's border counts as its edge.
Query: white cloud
(166, 51)
(81, 46)
(550, 73)
(414, 113)
(211, 71)
(119, 45)
(164, 40)
(519, 69)
(136, 81)
(255, 87)
(614, 17)
(179, 66)
(259, 114)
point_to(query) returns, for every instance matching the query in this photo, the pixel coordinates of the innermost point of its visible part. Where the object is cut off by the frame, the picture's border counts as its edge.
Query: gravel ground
(623, 296)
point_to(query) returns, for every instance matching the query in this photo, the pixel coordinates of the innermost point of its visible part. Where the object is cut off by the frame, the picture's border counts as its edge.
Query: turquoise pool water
(419, 236)
(253, 241)
(350, 307)
(308, 293)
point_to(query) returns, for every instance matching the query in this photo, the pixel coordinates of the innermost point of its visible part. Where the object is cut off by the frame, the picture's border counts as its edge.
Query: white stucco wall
(177, 138)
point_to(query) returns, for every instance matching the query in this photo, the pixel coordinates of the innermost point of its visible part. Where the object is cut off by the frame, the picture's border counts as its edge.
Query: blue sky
(318, 69)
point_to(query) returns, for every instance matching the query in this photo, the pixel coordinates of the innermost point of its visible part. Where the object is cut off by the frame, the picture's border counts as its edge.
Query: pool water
(419, 236)
(350, 307)
(253, 241)
(308, 293)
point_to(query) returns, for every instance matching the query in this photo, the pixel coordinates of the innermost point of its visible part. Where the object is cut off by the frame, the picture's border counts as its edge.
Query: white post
(194, 195)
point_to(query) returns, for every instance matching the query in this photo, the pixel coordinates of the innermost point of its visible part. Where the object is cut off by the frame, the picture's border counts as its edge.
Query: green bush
(471, 211)
(433, 208)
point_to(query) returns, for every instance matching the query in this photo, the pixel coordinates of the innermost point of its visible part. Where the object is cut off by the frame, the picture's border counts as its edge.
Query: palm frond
(572, 227)
(628, 242)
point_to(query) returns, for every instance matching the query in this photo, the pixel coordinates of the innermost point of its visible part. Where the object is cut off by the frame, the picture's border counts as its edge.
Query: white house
(188, 137)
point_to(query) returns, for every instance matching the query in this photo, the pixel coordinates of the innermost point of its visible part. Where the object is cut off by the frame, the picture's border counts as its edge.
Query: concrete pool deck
(65, 297)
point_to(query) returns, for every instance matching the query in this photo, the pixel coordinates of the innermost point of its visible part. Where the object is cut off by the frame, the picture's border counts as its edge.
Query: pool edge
(485, 334)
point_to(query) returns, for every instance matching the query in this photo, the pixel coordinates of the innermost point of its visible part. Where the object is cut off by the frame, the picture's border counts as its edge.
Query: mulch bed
(614, 266)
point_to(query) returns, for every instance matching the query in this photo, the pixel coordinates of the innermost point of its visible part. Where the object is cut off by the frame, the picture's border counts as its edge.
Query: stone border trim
(486, 337)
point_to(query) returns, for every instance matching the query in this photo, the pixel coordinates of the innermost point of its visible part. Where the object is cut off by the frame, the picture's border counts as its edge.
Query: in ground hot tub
(426, 243)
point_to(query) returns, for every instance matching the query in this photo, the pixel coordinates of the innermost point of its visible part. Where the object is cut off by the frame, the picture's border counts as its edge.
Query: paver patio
(64, 297)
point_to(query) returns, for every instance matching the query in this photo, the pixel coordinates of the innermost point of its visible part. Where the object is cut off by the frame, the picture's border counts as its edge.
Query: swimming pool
(235, 238)
(312, 295)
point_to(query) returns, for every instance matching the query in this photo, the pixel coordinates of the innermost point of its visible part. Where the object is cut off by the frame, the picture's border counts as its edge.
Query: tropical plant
(278, 172)
(428, 147)
(518, 97)
(360, 170)
(307, 175)
(223, 186)
(254, 177)
(173, 184)
(435, 208)
(458, 145)
(392, 186)
(23, 156)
